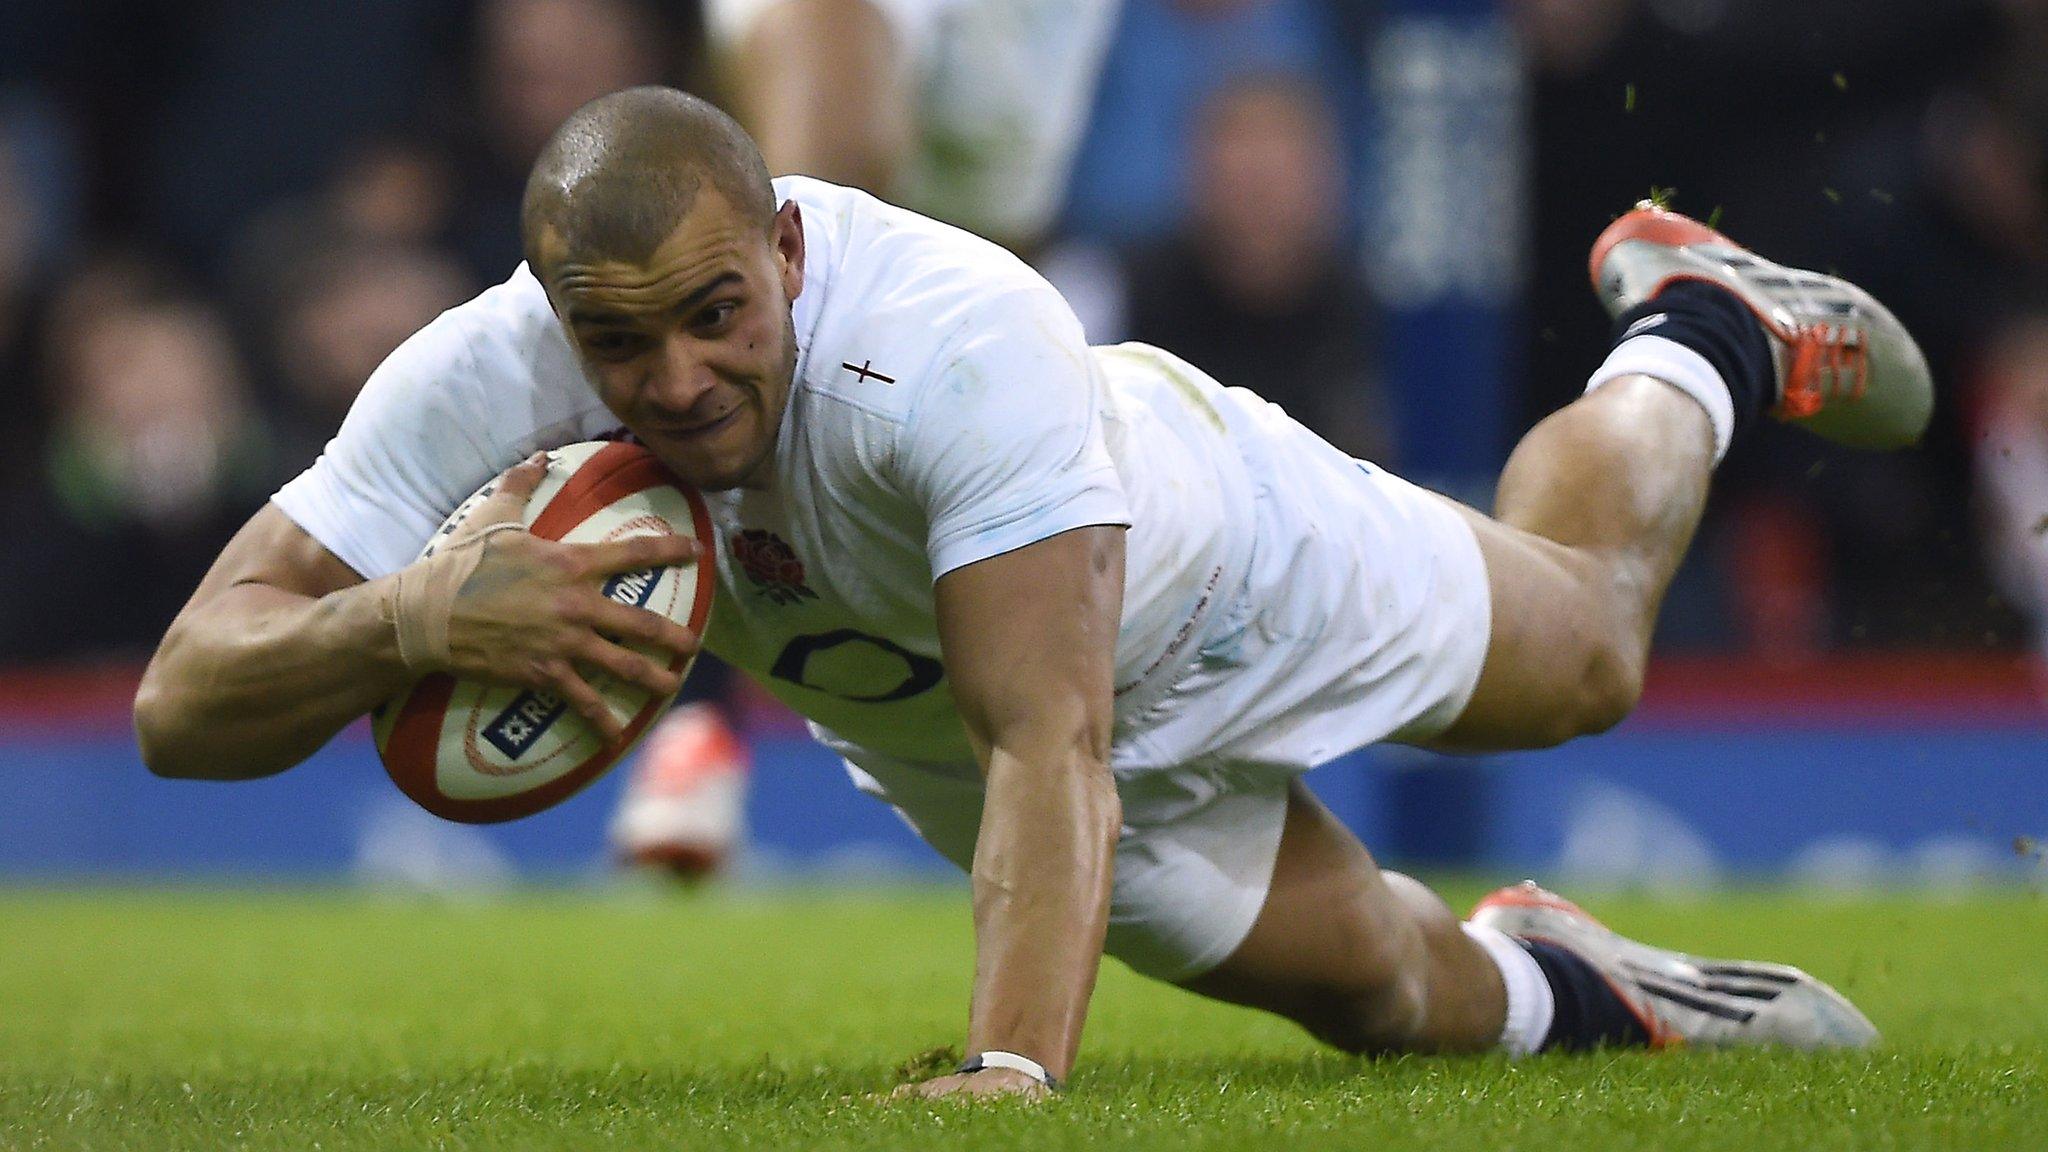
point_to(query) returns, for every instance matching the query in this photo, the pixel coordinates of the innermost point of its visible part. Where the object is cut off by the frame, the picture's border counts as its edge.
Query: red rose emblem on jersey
(771, 565)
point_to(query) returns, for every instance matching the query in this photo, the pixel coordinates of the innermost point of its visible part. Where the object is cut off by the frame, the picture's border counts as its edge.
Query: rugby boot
(683, 811)
(1846, 368)
(1681, 999)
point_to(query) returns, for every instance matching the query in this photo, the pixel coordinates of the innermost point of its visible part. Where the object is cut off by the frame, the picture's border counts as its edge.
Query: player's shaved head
(624, 169)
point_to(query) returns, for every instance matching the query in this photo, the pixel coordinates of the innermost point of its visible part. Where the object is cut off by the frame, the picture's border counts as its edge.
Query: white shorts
(1365, 617)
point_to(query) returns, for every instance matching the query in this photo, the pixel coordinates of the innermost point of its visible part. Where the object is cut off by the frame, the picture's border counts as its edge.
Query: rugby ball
(480, 753)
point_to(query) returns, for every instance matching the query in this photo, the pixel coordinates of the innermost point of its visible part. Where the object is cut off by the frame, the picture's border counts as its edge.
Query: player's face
(694, 349)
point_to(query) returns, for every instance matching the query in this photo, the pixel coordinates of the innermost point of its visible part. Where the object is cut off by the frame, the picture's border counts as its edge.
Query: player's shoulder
(500, 344)
(509, 331)
(894, 301)
(495, 373)
(858, 240)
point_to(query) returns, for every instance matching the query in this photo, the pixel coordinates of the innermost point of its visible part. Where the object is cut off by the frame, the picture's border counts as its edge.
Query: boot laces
(1829, 362)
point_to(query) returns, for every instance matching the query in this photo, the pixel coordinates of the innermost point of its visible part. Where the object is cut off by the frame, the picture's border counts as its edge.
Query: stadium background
(215, 218)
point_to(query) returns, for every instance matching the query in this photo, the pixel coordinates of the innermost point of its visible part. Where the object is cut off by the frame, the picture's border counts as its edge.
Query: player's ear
(789, 248)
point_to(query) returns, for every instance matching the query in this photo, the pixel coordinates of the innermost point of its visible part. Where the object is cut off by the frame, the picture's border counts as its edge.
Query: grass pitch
(329, 1020)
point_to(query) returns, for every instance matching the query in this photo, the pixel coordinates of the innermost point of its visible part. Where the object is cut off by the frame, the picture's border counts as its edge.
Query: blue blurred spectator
(1131, 177)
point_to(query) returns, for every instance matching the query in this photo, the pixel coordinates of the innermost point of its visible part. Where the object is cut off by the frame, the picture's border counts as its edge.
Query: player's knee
(157, 732)
(1591, 695)
(1611, 687)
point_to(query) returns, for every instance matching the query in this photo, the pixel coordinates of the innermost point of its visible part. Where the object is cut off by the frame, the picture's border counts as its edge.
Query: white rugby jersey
(1002, 90)
(945, 410)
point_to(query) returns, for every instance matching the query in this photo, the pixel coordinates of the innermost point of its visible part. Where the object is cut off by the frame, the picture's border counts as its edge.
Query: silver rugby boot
(1847, 369)
(1681, 999)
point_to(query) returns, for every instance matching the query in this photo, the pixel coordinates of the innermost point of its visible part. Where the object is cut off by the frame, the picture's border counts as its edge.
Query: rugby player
(1081, 615)
(967, 111)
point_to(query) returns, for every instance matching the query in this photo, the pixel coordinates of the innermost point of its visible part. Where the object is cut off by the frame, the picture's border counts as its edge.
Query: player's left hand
(987, 1082)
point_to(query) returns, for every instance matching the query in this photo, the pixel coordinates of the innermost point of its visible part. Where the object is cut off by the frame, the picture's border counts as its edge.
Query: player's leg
(1595, 511)
(1373, 961)
(1598, 502)
(1678, 998)
(683, 810)
(1365, 960)
(1593, 514)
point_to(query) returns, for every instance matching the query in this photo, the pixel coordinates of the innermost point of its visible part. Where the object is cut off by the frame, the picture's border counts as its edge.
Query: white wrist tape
(996, 1058)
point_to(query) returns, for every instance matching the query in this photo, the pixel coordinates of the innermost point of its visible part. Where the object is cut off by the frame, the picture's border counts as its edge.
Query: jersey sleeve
(409, 452)
(1004, 445)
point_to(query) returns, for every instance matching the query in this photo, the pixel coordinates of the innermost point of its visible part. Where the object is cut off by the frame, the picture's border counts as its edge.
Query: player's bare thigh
(1596, 507)
(1563, 658)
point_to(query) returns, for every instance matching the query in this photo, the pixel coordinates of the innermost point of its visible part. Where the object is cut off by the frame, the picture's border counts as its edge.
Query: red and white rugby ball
(481, 753)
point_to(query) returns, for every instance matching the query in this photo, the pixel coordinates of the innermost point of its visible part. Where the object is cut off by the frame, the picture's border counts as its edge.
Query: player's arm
(278, 648)
(1029, 639)
(283, 644)
(823, 86)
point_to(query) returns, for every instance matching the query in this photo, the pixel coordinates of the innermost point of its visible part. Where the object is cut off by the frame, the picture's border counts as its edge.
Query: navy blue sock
(1589, 1013)
(1715, 323)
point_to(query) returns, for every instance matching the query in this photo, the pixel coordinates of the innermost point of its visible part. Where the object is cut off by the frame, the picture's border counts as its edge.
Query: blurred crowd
(1900, 144)
(217, 218)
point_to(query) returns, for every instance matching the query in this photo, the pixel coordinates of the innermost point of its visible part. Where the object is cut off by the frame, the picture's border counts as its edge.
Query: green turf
(174, 1019)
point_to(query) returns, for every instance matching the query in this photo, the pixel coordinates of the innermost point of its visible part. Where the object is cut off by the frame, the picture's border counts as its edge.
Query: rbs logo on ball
(531, 713)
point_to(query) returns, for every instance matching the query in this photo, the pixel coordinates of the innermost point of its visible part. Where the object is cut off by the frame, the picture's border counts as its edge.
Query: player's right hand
(532, 613)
